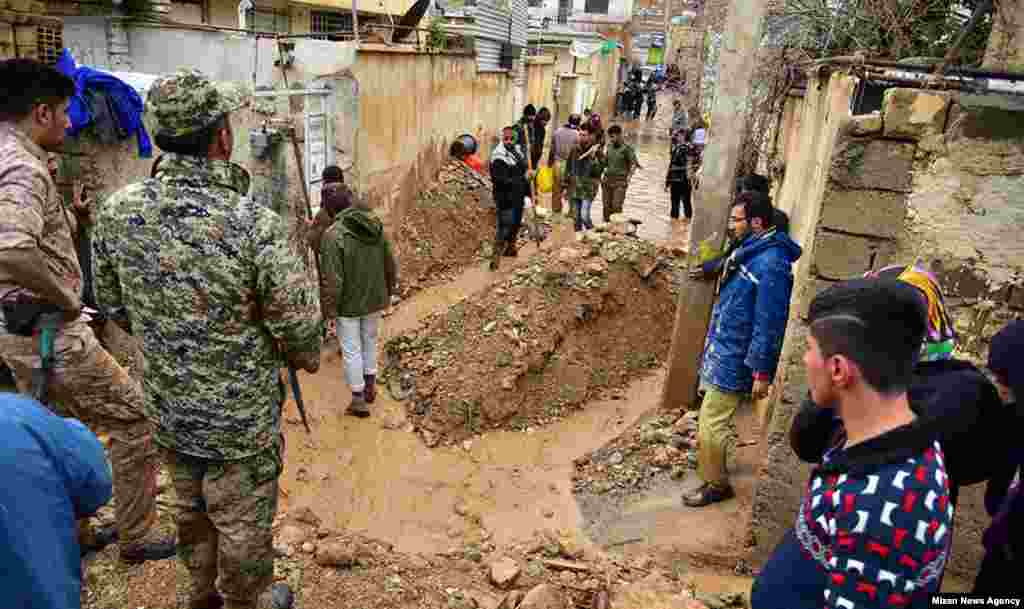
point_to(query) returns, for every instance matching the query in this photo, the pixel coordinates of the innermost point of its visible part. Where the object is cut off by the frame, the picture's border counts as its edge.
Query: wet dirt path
(376, 477)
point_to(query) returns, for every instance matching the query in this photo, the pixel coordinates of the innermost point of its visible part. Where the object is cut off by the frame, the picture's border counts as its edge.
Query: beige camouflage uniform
(86, 383)
(207, 279)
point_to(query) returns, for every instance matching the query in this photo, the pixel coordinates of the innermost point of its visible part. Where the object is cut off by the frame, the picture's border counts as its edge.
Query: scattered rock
(664, 456)
(569, 255)
(512, 600)
(292, 535)
(653, 591)
(567, 565)
(544, 596)
(615, 458)
(504, 572)
(548, 513)
(308, 548)
(569, 545)
(336, 553)
(306, 515)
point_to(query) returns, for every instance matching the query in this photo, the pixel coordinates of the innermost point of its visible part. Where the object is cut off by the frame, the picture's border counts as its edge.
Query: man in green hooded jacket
(360, 276)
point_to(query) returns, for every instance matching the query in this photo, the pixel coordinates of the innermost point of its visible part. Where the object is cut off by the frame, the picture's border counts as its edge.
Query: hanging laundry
(103, 100)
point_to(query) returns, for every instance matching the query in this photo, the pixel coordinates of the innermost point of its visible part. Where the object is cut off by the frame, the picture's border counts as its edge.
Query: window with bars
(322, 22)
(564, 10)
(50, 42)
(43, 42)
(596, 7)
(269, 21)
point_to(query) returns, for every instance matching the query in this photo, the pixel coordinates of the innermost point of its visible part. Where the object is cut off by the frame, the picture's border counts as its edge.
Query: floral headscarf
(941, 338)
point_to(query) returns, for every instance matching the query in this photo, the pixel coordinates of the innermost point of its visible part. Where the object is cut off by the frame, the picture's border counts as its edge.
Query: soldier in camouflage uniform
(206, 277)
(39, 272)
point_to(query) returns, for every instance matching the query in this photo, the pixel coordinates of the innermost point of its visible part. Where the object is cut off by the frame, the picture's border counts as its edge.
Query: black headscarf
(1006, 357)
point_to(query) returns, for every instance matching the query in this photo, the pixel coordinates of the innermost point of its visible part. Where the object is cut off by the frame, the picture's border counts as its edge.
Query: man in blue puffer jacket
(745, 336)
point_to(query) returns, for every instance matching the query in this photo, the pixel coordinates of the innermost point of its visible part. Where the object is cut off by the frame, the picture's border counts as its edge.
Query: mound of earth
(582, 320)
(445, 228)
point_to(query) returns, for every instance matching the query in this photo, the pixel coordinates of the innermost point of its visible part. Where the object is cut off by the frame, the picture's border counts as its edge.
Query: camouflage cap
(187, 101)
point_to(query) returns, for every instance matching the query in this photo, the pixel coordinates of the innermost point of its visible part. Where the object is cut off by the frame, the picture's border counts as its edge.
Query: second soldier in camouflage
(207, 279)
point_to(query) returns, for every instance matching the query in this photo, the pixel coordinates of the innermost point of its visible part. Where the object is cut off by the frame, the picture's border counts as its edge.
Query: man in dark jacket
(676, 180)
(1004, 497)
(361, 275)
(510, 175)
(54, 471)
(745, 335)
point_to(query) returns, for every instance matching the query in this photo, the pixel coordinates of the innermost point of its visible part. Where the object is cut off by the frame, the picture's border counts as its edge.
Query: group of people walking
(208, 283)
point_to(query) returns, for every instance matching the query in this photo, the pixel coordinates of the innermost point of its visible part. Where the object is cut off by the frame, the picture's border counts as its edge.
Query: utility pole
(721, 156)
(668, 30)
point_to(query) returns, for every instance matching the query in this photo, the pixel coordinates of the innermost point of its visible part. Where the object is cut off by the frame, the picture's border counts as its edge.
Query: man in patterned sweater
(873, 528)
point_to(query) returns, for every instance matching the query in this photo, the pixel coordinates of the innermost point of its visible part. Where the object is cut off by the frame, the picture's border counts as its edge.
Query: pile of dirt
(662, 445)
(571, 325)
(445, 228)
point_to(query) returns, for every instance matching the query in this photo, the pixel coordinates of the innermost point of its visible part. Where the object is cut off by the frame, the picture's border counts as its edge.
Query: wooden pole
(721, 157)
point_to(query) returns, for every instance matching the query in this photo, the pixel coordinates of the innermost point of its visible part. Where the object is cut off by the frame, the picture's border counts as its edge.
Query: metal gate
(318, 123)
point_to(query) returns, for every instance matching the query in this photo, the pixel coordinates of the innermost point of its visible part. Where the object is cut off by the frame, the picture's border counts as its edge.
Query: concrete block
(987, 118)
(865, 124)
(873, 213)
(839, 257)
(914, 113)
(873, 164)
(1016, 300)
(805, 294)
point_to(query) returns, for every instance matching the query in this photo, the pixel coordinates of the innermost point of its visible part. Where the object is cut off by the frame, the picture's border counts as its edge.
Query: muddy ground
(573, 324)
(445, 228)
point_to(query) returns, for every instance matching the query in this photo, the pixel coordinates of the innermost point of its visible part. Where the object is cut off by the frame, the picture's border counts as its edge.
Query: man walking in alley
(583, 169)
(679, 120)
(562, 143)
(677, 182)
(361, 276)
(620, 165)
(207, 279)
(509, 175)
(40, 277)
(745, 335)
(874, 526)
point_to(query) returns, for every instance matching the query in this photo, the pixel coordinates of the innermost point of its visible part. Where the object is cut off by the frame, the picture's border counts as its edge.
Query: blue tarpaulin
(126, 104)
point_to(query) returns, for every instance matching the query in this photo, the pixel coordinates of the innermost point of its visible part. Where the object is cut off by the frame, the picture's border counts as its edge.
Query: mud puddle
(374, 477)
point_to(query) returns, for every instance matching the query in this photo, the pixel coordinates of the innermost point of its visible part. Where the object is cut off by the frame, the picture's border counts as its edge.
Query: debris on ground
(572, 325)
(444, 229)
(658, 445)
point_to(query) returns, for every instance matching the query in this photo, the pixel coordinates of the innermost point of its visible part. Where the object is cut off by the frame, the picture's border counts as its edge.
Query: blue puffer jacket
(749, 320)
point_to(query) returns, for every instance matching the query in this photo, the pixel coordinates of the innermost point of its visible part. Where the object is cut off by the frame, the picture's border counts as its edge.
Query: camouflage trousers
(88, 384)
(224, 512)
(613, 191)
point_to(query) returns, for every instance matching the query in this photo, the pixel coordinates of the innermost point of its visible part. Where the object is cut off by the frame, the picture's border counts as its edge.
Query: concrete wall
(935, 176)
(540, 75)
(411, 106)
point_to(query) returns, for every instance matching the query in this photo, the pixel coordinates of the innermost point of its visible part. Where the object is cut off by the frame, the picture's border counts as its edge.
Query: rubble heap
(443, 229)
(530, 349)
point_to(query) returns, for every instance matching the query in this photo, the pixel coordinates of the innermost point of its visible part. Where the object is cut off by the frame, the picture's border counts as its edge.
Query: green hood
(362, 225)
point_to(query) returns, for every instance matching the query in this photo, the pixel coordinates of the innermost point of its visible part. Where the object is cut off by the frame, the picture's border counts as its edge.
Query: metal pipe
(849, 60)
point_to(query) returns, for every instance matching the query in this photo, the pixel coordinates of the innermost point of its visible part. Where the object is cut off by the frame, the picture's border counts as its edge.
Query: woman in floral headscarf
(949, 395)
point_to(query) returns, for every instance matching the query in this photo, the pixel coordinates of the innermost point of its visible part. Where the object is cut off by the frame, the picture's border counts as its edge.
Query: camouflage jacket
(33, 214)
(208, 281)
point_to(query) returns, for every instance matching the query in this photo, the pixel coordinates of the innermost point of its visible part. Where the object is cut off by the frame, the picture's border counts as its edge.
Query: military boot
(370, 392)
(499, 249)
(154, 546)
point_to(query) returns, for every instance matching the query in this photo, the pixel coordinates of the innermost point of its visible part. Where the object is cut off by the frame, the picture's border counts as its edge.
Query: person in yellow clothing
(562, 143)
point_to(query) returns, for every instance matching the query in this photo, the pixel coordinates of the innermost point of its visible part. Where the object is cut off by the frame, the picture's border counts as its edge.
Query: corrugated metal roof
(492, 22)
(520, 21)
(488, 55)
